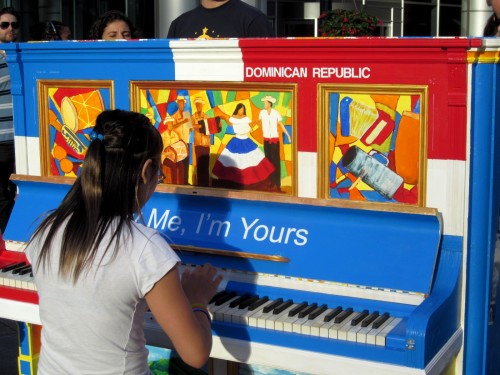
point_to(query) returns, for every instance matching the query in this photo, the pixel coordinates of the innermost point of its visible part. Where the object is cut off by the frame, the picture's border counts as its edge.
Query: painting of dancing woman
(242, 164)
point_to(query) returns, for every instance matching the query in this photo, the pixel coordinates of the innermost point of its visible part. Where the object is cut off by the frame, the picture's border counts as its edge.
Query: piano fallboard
(293, 237)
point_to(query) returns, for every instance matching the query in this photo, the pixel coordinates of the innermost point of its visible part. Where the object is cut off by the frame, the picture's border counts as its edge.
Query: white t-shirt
(97, 325)
(270, 123)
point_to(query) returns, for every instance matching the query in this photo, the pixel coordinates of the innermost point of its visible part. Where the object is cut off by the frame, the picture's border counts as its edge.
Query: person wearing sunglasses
(492, 26)
(8, 33)
(9, 25)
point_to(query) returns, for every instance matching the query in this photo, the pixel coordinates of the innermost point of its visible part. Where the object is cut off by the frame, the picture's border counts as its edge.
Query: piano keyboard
(17, 275)
(303, 318)
(16, 278)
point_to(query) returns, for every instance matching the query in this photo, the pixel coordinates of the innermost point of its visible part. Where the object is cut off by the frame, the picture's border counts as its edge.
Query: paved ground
(8, 347)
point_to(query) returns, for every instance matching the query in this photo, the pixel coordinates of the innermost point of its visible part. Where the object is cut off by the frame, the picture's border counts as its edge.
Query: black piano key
(297, 309)
(380, 320)
(363, 314)
(273, 305)
(225, 298)
(282, 307)
(248, 302)
(370, 319)
(19, 269)
(239, 300)
(336, 311)
(317, 312)
(13, 266)
(343, 315)
(218, 295)
(258, 303)
(307, 310)
(27, 270)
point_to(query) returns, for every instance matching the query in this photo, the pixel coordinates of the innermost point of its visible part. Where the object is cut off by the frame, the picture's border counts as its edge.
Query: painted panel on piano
(68, 110)
(307, 241)
(218, 134)
(373, 143)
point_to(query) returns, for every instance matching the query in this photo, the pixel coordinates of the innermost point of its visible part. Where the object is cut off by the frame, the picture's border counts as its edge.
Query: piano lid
(300, 238)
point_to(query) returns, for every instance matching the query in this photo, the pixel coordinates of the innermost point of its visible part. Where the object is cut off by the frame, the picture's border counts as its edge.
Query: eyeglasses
(5, 25)
(161, 177)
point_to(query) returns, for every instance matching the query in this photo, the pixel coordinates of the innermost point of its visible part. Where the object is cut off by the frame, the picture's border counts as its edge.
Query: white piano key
(241, 316)
(231, 311)
(352, 333)
(22, 280)
(297, 325)
(18, 281)
(227, 314)
(380, 338)
(334, 328)
(279, 322)
(362, 333)
(342, 331)
(218, 311)
(271, 321)
(314, 325)
(258, 318)
(288, 323)
(372, 334)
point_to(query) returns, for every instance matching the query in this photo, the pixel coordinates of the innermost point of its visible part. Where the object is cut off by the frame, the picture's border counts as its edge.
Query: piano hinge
(410, 344)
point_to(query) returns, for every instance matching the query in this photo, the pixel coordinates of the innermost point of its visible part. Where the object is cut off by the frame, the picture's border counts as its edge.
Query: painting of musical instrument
(372, 143)
(67, 114)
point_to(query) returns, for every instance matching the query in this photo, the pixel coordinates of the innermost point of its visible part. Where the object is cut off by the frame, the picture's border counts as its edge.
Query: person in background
(97, 270)
(492, 27)
(221, 19)
(113, 25)
(50, 30)
(9, 26)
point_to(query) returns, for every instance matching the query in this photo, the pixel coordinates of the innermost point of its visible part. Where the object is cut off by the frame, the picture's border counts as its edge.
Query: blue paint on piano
(330, 246)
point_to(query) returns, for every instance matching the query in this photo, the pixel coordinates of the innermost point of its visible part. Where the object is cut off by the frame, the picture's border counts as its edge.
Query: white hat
(268, 98)
(199, 100)
(181, 97)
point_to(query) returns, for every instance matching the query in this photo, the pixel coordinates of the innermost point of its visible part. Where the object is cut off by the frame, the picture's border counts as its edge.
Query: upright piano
(337, 272)
(336, 261)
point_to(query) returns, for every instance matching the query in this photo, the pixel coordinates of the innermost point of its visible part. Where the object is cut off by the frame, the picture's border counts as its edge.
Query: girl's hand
(200, 283)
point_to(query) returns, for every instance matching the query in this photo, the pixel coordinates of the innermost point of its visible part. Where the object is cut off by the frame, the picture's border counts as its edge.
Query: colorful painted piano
(369, 213)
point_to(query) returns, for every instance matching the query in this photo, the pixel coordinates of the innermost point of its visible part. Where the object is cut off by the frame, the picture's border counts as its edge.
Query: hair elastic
(94, 135)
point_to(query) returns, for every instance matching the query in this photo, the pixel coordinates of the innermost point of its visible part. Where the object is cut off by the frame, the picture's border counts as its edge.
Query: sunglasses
(5, 25)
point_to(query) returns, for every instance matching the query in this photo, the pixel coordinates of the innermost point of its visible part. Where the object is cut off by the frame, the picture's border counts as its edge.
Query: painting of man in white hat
(272, 127)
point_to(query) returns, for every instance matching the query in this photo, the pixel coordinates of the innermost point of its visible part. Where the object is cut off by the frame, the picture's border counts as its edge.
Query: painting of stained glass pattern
(237, 138)
(376, 145)
(66, 120)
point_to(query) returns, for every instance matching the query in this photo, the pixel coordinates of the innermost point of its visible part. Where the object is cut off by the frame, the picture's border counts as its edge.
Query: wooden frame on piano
(205, 139)
(67, 110)
(372, 143)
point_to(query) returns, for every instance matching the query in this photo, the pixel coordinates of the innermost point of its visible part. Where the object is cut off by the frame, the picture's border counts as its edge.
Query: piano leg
(29, 347)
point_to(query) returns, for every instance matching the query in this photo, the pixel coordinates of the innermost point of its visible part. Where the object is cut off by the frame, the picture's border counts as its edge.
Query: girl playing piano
(97, 270)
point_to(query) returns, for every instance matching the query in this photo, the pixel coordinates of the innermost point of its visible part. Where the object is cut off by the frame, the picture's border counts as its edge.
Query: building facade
(288, 17)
